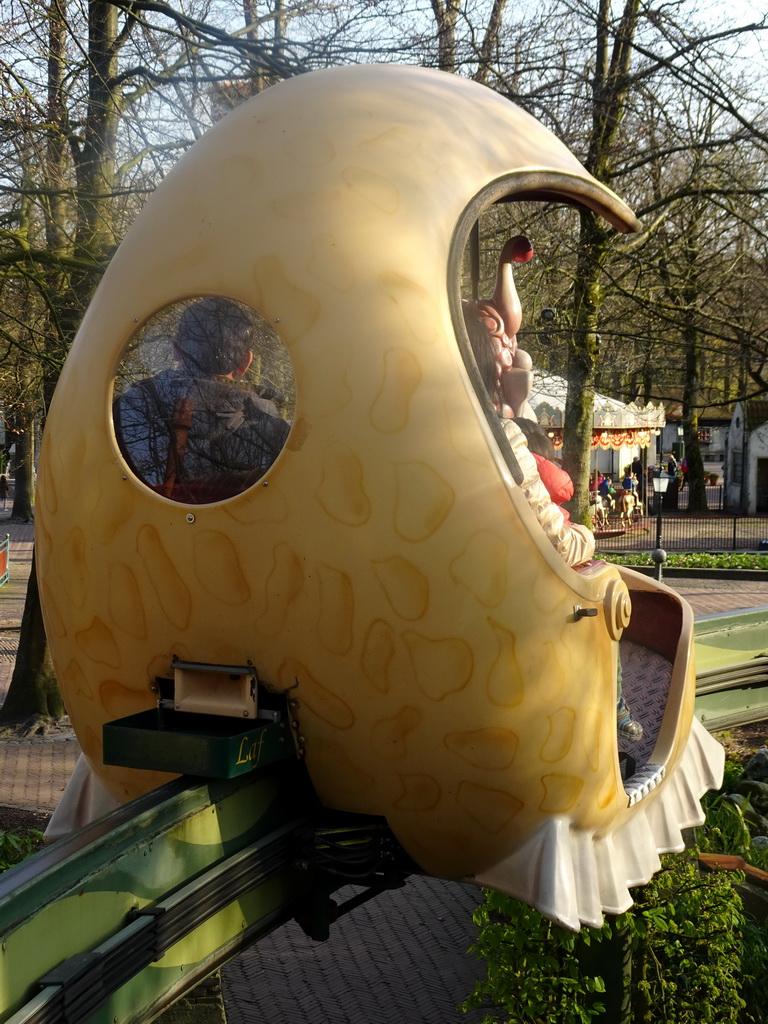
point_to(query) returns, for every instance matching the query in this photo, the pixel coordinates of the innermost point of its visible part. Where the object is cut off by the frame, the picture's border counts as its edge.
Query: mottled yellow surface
(387, 570)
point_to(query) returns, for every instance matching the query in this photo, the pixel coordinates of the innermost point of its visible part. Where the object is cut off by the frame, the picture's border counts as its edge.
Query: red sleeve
(556, 480)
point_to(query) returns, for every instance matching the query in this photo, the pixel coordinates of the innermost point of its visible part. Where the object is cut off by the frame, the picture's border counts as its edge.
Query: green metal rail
(117, 922)
(732, 668)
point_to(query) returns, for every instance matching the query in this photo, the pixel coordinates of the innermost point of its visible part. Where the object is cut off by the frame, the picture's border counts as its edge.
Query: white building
(746, 458)
(713, 433)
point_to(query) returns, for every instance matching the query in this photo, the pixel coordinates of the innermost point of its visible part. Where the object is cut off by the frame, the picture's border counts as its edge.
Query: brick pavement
(33, 772)
(400, 958)
(715, 597)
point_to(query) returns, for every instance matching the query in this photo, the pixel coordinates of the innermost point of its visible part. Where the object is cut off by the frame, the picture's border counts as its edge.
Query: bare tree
(76, 174)
(620, 84)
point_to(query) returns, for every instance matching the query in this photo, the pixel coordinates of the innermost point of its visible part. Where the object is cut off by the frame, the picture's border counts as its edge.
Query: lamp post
(660, 484)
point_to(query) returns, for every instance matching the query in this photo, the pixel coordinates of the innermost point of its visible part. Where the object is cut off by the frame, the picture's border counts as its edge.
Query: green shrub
(687, 941)
(754, 971)
(699, 560)
(726, 831)
(533, 972)
(14, 847)
(694, 958)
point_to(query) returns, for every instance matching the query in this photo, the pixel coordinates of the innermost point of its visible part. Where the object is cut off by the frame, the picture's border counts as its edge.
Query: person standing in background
(637, 471)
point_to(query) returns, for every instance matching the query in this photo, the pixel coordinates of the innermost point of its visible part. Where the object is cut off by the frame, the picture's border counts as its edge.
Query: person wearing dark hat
(192, 432)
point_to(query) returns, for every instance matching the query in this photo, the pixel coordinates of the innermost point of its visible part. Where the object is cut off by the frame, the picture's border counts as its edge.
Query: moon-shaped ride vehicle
(378, 563)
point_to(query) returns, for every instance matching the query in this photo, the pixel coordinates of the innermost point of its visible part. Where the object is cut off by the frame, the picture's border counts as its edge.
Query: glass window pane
(204, 399)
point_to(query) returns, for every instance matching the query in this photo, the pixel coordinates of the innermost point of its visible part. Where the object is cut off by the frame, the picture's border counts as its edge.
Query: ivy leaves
(684, 954)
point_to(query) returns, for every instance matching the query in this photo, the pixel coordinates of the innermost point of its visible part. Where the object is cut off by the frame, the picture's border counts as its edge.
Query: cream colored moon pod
(450, 672)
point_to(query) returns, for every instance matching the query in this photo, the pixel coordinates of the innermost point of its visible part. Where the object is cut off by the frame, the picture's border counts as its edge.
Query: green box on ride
(209, 746)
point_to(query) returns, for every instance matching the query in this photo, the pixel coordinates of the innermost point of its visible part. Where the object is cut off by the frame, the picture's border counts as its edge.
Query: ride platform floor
(399, 959)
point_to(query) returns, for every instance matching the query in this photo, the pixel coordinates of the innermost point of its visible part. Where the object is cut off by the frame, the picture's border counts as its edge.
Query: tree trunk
(582, 360)
(490, 42)
(24, 474)
(610, 87)
(577, 438)
(33, 693)
(692, 397)
(446, 14)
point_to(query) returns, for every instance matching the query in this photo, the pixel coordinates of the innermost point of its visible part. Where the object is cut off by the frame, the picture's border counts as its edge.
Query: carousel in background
(620, 431)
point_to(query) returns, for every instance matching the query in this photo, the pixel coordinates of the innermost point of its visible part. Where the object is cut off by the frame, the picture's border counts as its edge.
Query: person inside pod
(191, 432)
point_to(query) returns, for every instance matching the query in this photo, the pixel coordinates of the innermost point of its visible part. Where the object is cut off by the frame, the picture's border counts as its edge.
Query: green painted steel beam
(731, 654)
(129, 914)
(735, 706)
(733, 637)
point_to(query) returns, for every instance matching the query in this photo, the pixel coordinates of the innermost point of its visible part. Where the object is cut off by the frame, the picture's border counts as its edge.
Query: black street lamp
(660, 482)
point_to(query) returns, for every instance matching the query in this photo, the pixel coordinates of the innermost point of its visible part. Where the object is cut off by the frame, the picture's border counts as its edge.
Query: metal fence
(685, 533)
(676, 500)
(714, 498)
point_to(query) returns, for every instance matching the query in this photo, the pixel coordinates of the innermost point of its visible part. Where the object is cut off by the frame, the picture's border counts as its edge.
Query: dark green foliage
(701, 560)
(726, 830)
(754, 972)
(533, 971)
(694, 958)
(14, 847)
(687, 947)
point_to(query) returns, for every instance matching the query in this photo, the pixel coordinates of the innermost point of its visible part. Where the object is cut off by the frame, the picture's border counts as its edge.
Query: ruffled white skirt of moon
(574, 876)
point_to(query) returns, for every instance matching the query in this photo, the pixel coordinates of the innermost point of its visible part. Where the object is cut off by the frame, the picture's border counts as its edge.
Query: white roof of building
(548, 396)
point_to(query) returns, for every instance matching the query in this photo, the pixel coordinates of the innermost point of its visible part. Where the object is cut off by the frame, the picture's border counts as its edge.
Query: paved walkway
(714, 597)
(33, 772)
(399, 958)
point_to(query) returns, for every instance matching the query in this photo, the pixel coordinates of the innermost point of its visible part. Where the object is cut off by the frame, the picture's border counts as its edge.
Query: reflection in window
(203, 399)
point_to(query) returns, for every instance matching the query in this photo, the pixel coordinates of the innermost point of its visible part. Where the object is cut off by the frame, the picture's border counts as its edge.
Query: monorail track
(113, 924)
(732, 669)
(116, 922)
